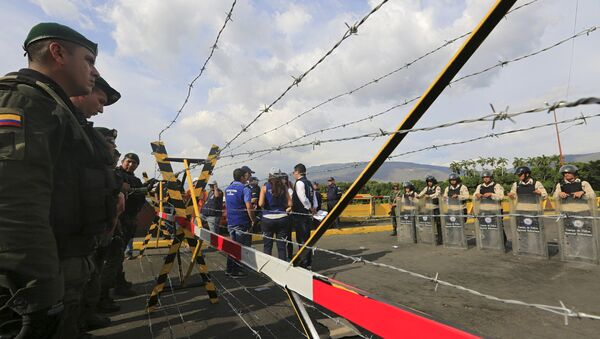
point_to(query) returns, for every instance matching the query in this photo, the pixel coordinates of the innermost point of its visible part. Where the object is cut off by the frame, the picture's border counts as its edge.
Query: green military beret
(52, 30)
(107, 132)
(111, 94)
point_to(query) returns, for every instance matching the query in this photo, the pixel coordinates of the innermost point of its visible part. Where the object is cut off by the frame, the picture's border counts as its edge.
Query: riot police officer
(526, 185)
(572, 186)
(432, 193)
(44, 150)
(456, 190)
(490, 190)
(394, 196)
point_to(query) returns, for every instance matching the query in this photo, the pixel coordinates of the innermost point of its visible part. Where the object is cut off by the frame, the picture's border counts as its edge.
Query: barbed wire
(352, 30)
(368, 83)
(496, 135)
(191, 84)
(500, 64)
(239, 313)
(245, 289)
(559, 310)
(493, 117)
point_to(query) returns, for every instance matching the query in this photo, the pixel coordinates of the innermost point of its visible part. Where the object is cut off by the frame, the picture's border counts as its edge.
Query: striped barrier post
(174, 190)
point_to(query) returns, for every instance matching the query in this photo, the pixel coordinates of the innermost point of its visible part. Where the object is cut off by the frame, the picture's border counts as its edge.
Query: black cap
(52, 30)
(253, 178)
(132, 156)
(112, 95)
(247, 169)
(331, 179)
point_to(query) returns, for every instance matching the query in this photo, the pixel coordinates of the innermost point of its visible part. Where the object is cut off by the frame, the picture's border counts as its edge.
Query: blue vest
(236, 195)
(274, 205)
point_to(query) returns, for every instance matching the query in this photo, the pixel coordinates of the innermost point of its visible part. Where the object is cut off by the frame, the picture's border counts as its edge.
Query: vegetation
(543, 168)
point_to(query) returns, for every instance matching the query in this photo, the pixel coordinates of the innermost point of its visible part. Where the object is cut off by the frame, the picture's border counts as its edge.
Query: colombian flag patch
(11, 120)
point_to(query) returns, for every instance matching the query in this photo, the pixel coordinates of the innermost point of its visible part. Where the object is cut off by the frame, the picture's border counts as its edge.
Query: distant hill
(395, 171)
(582, 157)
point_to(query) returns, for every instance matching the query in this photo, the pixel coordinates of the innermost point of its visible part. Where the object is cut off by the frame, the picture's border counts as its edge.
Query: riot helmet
(569, 169)
(431, 178)
(522, 170)
(487, 173)
(408, 184)
(454, 176)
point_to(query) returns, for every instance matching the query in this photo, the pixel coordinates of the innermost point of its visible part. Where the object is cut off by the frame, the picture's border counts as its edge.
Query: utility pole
(561, 157)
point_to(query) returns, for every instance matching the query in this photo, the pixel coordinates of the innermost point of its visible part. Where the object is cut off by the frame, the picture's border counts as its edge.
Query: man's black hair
(238, 173)
(300, 168)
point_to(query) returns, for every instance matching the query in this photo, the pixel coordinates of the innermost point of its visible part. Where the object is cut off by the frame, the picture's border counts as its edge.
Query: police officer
(526, 185)
(43, 151)
(394, 196)
(432, 193)
(213, 206)
(304, 204)
(255, 193)
(409, 190)
(456, 190)
(89, 105)
(572, 186)
(334, 193)
(240, 216)
(490, 190)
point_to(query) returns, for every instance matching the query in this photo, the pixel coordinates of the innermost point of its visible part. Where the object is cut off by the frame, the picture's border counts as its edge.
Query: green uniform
(30, 145)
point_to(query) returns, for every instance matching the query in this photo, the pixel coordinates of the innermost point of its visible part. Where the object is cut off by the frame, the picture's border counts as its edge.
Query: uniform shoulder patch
(11, 119)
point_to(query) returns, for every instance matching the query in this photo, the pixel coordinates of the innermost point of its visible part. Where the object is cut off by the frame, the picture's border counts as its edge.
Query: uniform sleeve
(557, 191)
(445, 195)
(589, 192)
(247, 194)
(422, 193)
(464, 193)
(513, 188)
(498, 192)
(474, 193)
(540, 187)
(437, 194)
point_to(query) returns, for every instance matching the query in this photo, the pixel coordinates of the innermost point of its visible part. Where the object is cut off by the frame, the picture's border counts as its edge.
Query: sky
(151, 50)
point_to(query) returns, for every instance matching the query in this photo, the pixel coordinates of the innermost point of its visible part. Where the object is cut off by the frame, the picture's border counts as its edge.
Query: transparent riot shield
(425, 229)
(578, 230)
(527, 228)
(488, 224)
(453, 223)
(405, 217)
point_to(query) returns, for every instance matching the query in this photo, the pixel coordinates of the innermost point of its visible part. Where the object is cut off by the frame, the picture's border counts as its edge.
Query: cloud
(67, 10)
(293, 20)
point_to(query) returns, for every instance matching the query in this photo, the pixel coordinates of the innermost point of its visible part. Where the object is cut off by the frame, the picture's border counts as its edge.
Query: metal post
(160, 208)
(307, 325)
(485, 27)
(561, 158)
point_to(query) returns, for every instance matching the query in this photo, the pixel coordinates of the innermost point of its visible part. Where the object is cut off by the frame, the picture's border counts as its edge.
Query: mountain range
(398, 171)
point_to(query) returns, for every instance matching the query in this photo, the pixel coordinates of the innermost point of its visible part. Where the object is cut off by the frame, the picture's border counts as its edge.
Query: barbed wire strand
(559, 310)
(239, 313)
(494, 117)
(245, 289)
(368, 83)
(500, 64)
(191, 84)
(352, 30)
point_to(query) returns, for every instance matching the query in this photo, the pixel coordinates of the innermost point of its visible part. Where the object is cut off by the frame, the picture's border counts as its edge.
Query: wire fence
(352, 30)
(376, 80)
(202, 69)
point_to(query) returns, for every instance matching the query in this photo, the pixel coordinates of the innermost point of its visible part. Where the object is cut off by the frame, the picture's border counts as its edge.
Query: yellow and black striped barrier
(175, 194)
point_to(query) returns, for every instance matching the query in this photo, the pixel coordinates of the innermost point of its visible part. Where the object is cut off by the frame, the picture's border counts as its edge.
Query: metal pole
(307, 324)
(485, 27)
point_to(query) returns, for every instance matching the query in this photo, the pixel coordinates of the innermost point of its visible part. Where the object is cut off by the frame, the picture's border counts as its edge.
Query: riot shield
(527, 228)
(453, 223)
(405, 217)
(425, 222)
(578, 230)
(488, 224)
